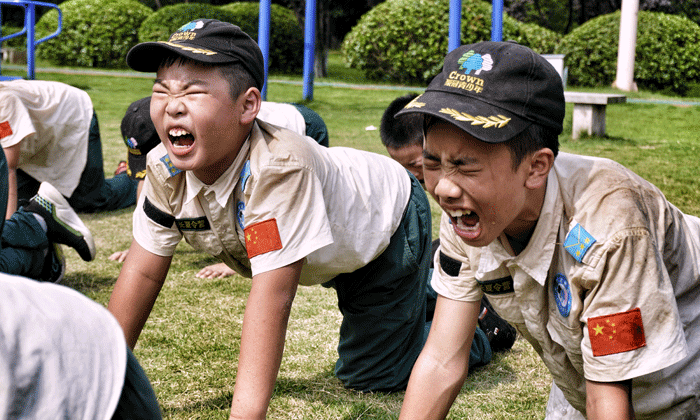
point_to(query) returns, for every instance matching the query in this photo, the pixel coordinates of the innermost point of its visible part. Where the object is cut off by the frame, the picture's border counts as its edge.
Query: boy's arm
(262, 339)
(136, 290)
(12, 157)
(443, 364)
(609, 400)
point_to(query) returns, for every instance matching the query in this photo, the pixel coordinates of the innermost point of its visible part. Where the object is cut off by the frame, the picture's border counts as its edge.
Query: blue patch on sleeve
(578, 241)
(169, 164)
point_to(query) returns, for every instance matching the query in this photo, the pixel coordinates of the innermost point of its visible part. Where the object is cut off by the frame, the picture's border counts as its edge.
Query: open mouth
(181, 139)
(465, 223)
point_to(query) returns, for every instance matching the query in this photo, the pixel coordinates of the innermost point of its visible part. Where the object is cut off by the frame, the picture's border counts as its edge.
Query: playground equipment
(28, 30)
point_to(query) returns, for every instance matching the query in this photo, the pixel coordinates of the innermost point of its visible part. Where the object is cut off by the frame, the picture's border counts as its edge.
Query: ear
(250, 100)
(541, 163)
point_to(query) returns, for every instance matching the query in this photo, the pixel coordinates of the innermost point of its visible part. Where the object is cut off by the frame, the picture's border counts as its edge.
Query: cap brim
(137, 166)
(147, 56)
(483, 121)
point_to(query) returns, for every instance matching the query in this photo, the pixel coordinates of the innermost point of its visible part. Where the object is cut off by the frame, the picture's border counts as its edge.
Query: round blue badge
(562, 294)
(239, 214)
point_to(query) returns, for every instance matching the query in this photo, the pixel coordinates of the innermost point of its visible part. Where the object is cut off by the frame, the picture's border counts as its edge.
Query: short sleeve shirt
(284, 199)
(50, 121)
(62, 356)
(282, 115)
(605, 290)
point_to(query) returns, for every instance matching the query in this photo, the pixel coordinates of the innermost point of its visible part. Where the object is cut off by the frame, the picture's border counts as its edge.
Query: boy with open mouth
(592, 265)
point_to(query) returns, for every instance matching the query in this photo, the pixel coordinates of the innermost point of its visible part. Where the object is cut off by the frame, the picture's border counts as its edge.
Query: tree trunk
(323, 38)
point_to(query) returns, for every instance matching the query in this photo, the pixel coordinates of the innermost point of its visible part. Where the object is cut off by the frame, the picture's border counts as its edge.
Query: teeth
(177, 132)
(459, 213)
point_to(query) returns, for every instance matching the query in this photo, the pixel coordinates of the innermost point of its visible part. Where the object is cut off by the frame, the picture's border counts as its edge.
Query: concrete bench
(589, 111)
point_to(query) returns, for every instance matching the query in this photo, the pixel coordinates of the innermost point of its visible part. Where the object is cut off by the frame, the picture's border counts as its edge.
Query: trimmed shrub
(18, 42)
(286, 36)
(166, 20)
(96, 33)
(406, 40)
(667, 56)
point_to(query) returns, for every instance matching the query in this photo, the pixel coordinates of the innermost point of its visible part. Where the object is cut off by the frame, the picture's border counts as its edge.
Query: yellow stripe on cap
(190, 49)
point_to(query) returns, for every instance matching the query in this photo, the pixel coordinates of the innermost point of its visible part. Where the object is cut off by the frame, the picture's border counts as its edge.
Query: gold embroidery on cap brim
(190, 49)
(414, 104)
(497, 121)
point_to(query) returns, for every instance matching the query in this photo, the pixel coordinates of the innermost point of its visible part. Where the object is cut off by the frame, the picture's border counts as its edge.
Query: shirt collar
(224, 186)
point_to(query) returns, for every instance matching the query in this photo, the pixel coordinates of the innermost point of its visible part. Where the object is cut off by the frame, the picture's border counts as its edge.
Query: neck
(521, 230)
(519, 242)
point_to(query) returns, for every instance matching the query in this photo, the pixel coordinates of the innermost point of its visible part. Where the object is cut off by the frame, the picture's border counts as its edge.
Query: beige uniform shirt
(62, 356)
(51, 121)
(282, 115)
(337, 207)
(606, 289)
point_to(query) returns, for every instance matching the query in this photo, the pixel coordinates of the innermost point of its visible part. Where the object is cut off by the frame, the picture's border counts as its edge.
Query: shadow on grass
(325, 389)
(204, 408)
(88, 283)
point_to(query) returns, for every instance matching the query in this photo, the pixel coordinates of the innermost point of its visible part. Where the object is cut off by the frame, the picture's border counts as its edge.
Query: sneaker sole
(64, 214)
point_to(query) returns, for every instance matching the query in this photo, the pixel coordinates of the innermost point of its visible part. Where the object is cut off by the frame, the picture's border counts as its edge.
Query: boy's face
(475, 184)
(197, 120)
(410, 157)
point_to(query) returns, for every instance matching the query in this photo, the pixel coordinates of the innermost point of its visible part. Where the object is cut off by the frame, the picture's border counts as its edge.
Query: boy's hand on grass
(119, 256)
(215, 271)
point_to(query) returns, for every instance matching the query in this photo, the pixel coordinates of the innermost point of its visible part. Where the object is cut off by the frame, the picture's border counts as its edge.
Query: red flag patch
(5, 129)
(262, 237)
(616, 333)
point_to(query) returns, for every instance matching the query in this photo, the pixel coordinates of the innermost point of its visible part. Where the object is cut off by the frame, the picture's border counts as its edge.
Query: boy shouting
(589, 261)
(279, 208)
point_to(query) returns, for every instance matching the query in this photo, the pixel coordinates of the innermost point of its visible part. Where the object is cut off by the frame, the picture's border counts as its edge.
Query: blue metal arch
(28, 30)
(310, 34)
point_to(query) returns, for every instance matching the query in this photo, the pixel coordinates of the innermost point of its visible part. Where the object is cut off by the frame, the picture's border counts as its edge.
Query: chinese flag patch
(262, 237)
(5, 129)
(616, 333)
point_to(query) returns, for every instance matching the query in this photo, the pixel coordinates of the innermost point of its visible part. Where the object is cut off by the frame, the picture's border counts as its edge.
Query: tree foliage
(667, 56)
(168, 19)
(286, 35)
(406, 40)
(564, 16)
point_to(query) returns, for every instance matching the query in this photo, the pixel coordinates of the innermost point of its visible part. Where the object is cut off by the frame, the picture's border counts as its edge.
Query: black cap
(205, 41)
(139, 135)
(494, 91)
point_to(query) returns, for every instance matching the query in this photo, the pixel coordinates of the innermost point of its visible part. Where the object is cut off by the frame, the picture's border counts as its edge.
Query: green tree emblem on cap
(470, 60)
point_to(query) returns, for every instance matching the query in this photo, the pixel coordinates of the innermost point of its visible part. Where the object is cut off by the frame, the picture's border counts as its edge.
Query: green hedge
(667, 56)
(96, 33)
(166, 20)
(406, 40)
(286, 36)
(18, 42)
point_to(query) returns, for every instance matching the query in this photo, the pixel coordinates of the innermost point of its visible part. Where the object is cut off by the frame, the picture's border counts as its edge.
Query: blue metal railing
(28, 30)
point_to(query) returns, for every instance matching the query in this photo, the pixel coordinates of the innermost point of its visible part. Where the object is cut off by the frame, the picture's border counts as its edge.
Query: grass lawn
(189, 347)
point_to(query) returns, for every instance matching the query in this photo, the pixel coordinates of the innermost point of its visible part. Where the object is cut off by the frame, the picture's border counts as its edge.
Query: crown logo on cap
(471, 60)
(186, 31)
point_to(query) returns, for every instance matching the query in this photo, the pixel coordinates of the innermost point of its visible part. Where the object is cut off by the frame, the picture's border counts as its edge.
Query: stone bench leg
(588, 118)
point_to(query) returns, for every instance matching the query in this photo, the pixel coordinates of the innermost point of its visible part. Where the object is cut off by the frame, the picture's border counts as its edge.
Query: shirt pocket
(204, 240)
